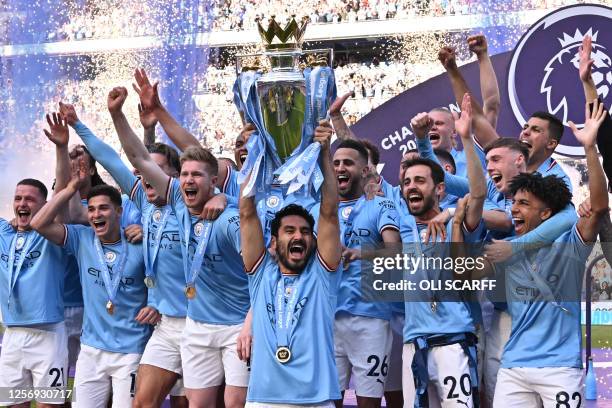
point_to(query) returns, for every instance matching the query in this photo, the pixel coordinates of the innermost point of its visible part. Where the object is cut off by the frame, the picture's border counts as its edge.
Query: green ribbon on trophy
(285, 104)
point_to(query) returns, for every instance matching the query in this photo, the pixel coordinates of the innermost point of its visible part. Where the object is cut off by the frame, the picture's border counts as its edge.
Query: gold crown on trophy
(277, 38)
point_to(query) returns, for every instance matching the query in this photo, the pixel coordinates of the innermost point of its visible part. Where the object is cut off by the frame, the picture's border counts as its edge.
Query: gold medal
(283, 354)
(110, 308)
(190, 291)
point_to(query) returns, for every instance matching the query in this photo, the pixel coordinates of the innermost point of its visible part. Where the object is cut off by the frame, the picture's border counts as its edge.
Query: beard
(296, 267)
(428, 204)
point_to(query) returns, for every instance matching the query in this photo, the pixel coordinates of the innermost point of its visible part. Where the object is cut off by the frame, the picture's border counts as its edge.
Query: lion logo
(567, 59)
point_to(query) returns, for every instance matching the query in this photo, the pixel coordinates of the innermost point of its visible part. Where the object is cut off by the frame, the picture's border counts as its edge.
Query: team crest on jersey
(157, 215)
(272, 201)
(198, 228)
(346, 212)
(110, 256)
(543, 73)
(19, 242)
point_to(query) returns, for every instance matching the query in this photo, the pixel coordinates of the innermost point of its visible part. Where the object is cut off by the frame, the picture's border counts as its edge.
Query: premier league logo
(543, 73)
(110, 257)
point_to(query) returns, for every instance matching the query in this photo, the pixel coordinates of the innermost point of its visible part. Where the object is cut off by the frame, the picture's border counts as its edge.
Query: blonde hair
(199, 154)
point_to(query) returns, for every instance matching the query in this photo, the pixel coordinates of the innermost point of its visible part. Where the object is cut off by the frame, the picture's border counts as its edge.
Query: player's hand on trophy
(448, 58)
(478, 44)
(421, 124)
(116, 99)
(133, 233)
(148, 94)
(148, 315)
(68, 113)
(323, 134)
(463, 124)
(336, 108)
(585, 62)
(214, 207)
(58, 130)
(595, 116)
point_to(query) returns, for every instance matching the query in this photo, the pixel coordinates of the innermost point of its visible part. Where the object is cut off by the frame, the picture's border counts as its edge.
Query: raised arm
(476, 178)
(44, 220)
(328, 238)
(150, 102)
(148, 122)
(59, 136)
(483, 131)
(335, 112)
(101, 152)
(250, 231)
(587, 136)
(136, 152)
(489, 87)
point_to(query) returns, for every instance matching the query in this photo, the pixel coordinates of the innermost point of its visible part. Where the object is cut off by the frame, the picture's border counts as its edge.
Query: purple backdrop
(540, 74)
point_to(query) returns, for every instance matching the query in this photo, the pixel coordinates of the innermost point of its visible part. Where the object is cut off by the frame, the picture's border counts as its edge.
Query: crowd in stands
(130, 20)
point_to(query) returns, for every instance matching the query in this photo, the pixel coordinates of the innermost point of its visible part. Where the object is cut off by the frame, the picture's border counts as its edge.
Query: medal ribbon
(14, 270)
(111, 284)
(284, 313)
(150, 262)
(198, 256)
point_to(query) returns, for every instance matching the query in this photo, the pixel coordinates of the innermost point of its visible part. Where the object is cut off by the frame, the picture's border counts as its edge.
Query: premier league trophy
(284, 92)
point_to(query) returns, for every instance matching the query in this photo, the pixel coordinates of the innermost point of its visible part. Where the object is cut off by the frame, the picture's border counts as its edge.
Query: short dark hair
(373, 152)
(555, 126)
(291, 209)
(168, 152)
(445, 157)
(552, 190)
(202, 155)
(229, 162)
(437, 173)
(355, 145)
(35, 183)
(105, 190)
(509, 142)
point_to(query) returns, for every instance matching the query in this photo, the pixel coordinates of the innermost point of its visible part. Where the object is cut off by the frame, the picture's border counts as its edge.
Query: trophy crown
(278, 38)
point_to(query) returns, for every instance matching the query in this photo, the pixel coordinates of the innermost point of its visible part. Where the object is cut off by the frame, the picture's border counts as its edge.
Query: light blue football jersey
(230, 184)
(543, 333)
(169, 275)
(37, 291)
(310, 376)
(450, 316)
(222, 293)
(119, 332)
(364, 227)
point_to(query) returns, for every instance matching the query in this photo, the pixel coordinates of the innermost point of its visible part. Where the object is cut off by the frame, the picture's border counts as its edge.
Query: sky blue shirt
(450, 317)
(169, 276)
(120, 332)
(557, 332)
(222, 293)
(37, 296)
(310, 376)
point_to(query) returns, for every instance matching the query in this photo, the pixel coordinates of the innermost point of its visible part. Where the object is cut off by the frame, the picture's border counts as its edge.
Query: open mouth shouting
(99, 225)
(434, 138)
(526, 143)
(191, 193)
(297, 250)
(243, 157)
(23, 216)
(497, 179)
(343, 181)
(519, 225)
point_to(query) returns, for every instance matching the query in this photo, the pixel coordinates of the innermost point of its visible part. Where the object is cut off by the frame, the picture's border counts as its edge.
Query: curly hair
(552, 190)
(291, 209)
